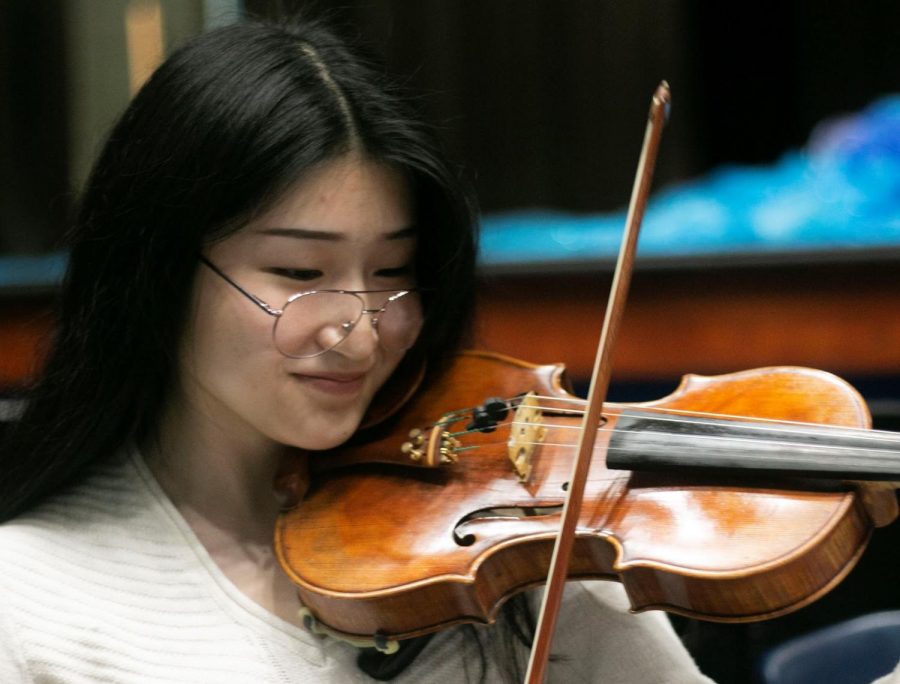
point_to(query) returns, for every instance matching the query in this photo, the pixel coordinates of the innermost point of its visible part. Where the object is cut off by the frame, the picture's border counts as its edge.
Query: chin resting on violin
(271, 252)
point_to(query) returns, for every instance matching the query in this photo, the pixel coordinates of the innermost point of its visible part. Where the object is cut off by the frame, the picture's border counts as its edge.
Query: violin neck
(643, 440)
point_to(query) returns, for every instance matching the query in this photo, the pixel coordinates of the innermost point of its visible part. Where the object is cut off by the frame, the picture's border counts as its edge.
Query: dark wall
(34, 197)
(771, 70)
(543, 101)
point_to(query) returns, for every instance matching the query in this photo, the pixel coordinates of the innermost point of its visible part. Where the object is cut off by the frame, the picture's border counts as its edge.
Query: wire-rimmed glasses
(313, 322)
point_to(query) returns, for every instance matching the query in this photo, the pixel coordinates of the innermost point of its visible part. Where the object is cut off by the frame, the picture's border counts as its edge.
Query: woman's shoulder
(98, 582)
(109, 494)
(93, 527)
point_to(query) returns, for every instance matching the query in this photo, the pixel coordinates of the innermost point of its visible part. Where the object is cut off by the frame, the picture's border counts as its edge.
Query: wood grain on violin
(384, 548)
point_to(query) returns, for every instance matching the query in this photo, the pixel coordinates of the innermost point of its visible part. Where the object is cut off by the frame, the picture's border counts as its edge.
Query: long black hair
(226, 124)
(229, 122)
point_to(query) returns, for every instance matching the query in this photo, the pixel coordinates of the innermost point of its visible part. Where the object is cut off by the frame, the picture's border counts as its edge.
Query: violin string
(666, 410)
(714, 439)
(710, 438)
(749, 422)
(787, 428)
(889, 437)
(764, 424)
(573, 445)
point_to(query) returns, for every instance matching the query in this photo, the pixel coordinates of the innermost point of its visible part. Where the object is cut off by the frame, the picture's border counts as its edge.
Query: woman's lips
(337, 384)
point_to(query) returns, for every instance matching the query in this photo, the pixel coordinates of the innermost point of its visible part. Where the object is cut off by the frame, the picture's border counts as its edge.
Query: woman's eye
(396, 272)
(298, 273)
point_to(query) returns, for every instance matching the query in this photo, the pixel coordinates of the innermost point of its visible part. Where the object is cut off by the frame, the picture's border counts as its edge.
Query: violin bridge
(526, 433)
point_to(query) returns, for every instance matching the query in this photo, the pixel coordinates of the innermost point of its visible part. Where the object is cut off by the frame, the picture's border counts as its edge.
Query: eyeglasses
(314, 322)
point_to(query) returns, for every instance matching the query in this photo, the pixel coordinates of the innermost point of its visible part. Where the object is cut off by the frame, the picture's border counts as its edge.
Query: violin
(439, 515)
(738, 497)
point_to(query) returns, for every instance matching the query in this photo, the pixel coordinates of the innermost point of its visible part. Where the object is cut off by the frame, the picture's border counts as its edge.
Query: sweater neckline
(245, 610)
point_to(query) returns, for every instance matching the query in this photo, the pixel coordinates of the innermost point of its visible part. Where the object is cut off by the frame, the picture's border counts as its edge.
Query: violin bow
(559, 564)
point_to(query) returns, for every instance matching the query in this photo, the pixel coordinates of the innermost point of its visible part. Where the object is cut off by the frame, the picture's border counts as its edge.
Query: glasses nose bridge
(373, 313)
(364, 310)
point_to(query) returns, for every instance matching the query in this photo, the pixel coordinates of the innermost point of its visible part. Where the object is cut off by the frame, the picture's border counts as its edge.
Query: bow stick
(559, 564)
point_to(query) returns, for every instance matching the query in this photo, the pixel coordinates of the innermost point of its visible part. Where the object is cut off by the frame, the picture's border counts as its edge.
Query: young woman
(268, 240)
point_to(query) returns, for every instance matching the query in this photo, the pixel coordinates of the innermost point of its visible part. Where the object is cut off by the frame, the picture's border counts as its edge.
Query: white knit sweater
(107, 583)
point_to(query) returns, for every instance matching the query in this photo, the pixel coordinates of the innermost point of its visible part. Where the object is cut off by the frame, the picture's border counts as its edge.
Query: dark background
(543, 102)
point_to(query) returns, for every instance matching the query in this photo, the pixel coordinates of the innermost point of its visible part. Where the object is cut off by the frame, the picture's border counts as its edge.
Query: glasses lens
(314, 322)
(400, 322)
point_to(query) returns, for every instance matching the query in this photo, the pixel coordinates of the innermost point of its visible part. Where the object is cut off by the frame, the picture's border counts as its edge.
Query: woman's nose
(361, 338)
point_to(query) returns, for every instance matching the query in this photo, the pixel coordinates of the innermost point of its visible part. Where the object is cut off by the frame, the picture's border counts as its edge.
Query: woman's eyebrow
(401, 234)
(331, 236)
(303, 233)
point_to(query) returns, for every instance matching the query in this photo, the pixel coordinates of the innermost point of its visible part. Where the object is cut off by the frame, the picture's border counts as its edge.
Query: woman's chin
(325, 437)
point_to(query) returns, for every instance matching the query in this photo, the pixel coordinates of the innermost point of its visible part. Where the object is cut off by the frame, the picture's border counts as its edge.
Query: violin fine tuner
(484, 418)
(413, 448)
(443, 447)
(449, 446)
(420, 452)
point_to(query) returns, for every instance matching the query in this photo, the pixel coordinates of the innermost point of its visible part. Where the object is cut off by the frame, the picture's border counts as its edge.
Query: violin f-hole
(505, 514)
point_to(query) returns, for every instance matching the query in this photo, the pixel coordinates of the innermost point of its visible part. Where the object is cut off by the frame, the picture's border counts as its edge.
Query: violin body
(385, 545)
